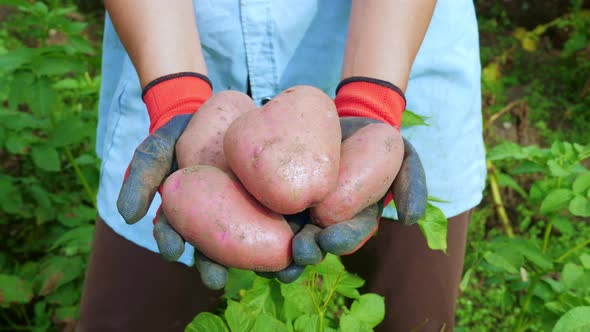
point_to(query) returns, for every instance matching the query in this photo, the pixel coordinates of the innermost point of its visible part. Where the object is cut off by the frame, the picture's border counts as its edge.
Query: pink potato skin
(287, 152)
(215, 214)
(376, 149)
(201, 143)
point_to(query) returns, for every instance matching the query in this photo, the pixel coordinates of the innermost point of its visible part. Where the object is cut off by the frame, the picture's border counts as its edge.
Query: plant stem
(497, 198)
(535, 280)
(24, 313)
(547, 234)
(527, 300)
(572, 250)
(310, 289)
(81, 177)
(7, 319)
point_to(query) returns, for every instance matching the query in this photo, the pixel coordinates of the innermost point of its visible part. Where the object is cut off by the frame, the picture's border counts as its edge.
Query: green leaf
(575, 43)
(583, 283)
(585, 259)
(12, 203)
(555, 285)
(39, 9)
(12, 60)
(580, 206)
(55, 66)
(307, 323)
(410, 118)
(575, 320)
(534, 254)
(330, 266)
(436, 199)
(508, 181)
(557, 170)
(500, 262)
(267, 323)
(563, 224)
(65, 296)
(369, 308)
(20, 142)
(290, 311)
(70, 131)
(42, 97)
(75, 241)
(434, 227)
(238, 317)
(297, 296)
(506, 150)
(349, 323)
(66, 84)
(570, 274)
(544, 292)
(57, 271)
(556, 307)
(348, 285)
(264, 296)
(74, 28)
(237, 280)
(46, 158)
(206, 322)
(14, 290)
(465, 279)
(80, 45)
(67, 314)
(527, 167)
(41, 197)
(557, 199)
(539, 189)
(581, 183)
(20, 88)
(76, 216)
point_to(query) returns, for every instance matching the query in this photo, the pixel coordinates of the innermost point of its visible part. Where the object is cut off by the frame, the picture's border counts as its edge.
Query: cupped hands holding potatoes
(274, 188)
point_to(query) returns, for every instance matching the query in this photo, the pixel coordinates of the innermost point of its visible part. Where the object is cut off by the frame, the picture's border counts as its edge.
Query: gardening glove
(305, 252)
(361, 101)
(171, 100)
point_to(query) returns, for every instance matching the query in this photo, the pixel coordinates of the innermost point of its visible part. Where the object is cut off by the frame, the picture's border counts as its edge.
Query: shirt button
(264, 101)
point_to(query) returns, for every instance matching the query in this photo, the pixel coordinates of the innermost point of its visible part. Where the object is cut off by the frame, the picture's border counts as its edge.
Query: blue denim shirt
(278, 44)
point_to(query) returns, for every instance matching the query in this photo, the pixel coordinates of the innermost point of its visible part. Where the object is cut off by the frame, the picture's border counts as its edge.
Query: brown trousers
(129, 288)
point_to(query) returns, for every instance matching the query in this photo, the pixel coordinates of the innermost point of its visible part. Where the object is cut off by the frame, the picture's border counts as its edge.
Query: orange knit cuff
(176, 94)
(370, 98)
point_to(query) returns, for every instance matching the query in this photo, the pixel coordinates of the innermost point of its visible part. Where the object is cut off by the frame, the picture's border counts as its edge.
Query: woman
(423, 49)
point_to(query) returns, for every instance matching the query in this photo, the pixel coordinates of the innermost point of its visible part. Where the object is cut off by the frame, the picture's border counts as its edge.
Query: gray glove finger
(409, 187)
(170, 243)
(344, 237)
(213, 275)
(306, 250)
(290, 273)
(151, 163)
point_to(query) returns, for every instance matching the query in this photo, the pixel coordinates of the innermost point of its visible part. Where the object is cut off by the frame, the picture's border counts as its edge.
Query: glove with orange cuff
(171, 100)
(361, 101)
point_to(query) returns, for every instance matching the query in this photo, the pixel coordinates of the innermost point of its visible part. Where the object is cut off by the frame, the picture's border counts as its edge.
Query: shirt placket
(257, 28)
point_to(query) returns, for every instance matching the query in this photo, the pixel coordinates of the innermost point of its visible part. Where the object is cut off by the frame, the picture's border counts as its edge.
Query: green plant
(324, 298)
(49, 171)
(534, 271)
